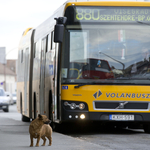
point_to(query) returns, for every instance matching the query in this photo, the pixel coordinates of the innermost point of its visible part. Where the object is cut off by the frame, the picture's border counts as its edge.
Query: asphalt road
(114, 138)
(14, 135)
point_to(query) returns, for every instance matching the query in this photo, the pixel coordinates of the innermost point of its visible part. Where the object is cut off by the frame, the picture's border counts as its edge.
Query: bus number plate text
(121, 117)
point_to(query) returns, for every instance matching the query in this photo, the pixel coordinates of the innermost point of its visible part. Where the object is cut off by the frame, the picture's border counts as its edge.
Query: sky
(18, 15)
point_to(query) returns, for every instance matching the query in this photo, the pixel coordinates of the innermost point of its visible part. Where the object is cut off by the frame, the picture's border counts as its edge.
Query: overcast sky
(18, 15)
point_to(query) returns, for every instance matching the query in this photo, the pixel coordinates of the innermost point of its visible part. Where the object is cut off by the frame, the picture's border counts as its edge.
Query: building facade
(8, 77)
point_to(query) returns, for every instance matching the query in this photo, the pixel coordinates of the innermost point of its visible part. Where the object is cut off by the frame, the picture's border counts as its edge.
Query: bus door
(56, 86)
(55, 81)
(42, 77)
(26, 79)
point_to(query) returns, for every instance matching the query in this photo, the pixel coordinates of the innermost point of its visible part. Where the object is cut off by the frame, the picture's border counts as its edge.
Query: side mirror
(59, 29)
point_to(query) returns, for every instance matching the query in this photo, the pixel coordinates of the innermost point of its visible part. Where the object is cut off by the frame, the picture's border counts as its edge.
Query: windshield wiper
(81, 84)
(113, 59)
(129, 78)
(143, 23)
(89, 83)
(140, 78)
(121, 78)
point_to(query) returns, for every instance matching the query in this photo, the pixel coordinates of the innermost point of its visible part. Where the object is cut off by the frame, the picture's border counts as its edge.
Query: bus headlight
(66, 103)
(81, 106)
(82, 116)
(73, 106)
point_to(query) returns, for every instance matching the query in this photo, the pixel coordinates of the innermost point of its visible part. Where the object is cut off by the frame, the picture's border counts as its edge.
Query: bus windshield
(107, 53)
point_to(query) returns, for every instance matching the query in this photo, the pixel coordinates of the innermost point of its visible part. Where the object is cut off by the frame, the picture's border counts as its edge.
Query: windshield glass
(2, 93)
(107, 53)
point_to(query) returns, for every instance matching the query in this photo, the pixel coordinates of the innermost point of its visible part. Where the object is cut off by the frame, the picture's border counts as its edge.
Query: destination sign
(112, 14)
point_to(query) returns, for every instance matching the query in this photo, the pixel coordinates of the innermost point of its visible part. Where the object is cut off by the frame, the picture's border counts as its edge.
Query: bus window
(49, 42)
(34, 50)
(52, 40)
(21, 56)
(44, 44)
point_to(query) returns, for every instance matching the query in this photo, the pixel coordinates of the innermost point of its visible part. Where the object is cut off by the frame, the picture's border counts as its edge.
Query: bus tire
(55, 126)
(25, 119)
(21, 103)
(6, 109)
(34, 105)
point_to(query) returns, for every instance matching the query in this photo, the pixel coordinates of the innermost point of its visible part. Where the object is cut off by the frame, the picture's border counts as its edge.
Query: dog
(40, 128)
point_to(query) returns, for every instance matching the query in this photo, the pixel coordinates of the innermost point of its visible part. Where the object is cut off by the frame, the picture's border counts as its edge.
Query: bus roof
(107, 3)
(26, 31)
(101, 0)
(44, 28)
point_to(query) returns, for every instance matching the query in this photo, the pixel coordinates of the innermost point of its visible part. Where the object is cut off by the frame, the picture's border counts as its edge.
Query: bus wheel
(147, 128)
(34, 105)
(55, 126)
(52, 124)
(25, 119)
(6, 109)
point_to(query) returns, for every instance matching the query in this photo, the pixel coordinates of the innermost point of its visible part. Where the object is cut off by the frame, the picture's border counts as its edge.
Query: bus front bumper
(70, 115)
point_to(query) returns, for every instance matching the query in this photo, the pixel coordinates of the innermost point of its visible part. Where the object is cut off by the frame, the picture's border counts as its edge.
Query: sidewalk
(14, 135)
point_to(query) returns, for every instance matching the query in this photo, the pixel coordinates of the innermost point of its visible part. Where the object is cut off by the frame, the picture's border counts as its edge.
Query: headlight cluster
(5, 101)
(81, 106)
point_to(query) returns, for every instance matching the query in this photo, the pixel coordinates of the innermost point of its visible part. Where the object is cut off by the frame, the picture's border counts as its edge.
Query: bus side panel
(20, 89)
(35, 98)
(36, 81)
(49, 82)
(24, 74)
(20, 79)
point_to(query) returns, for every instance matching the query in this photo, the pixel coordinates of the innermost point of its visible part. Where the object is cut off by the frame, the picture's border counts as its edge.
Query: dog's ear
(40, 116)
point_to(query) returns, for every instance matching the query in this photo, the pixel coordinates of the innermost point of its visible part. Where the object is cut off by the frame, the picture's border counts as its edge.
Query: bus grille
(120, 105)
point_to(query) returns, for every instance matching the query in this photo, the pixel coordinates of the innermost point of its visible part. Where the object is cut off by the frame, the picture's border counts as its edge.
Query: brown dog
(40, 128)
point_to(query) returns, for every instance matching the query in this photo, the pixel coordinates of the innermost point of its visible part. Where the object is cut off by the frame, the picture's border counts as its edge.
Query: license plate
(121, 117)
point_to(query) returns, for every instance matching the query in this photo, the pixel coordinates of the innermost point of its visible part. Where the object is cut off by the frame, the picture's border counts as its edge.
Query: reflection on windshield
(94, 69)
(106, 52)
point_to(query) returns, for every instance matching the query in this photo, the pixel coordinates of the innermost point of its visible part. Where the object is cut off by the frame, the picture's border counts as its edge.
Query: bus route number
(96, 15)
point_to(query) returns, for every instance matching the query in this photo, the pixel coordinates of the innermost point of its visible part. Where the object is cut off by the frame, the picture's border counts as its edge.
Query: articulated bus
(88, 62)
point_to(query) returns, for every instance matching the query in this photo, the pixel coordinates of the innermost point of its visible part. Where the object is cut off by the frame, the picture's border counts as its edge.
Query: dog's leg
(31, 138)
(38, 140)
(50, 140)
(44, 140)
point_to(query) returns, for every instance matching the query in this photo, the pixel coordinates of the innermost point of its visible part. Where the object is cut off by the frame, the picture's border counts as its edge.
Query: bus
(89, 61)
